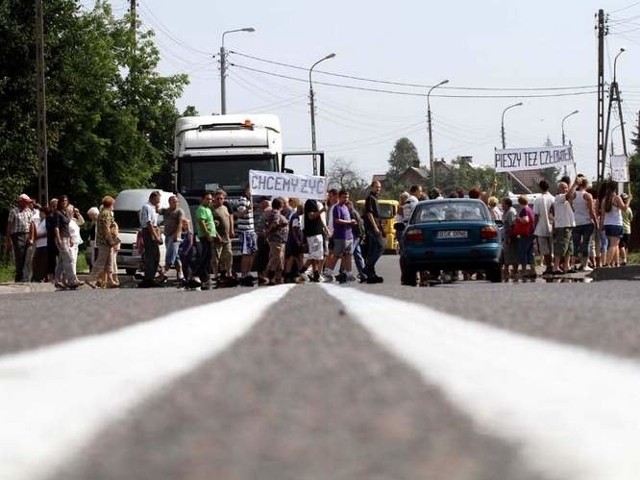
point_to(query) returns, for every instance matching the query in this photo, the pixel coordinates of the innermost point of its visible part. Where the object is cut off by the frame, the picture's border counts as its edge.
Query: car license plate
(444, 234)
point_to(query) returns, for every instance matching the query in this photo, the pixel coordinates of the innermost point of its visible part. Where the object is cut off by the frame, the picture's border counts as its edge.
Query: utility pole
(134, 17)
(614, 96)
(43, 174)
(602, 142)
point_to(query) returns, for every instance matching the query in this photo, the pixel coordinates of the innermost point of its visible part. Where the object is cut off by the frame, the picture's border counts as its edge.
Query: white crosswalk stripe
(575, 413)
(54, 400)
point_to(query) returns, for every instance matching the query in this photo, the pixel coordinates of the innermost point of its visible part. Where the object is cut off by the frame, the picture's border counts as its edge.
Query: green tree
(403, 156)
(110, 116)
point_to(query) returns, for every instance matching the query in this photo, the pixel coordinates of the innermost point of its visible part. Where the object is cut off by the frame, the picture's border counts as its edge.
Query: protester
(343, 236)
(277, 233)
(563, 224)
(415, 194)
(261, 213)
(65, 276)
(223, 255)
(31, 248)
(76, 220)
(52, 247)
(627, 218)
(206, 231)
(151, 239)
(92, 226)
(293, 252)
(313, 230)
(330, 259)
(523, 228)
(358, 238)
(18, 228)
(509, 240)
(185, 254)
(375, 233)
(586, 220)
(39, 240)
(543, 230)
(612, 206)
(247, 236)
(104, 269)
(172, 237)
(494, 208)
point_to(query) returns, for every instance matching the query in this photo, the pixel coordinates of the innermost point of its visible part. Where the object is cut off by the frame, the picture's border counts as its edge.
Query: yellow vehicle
(388, 210)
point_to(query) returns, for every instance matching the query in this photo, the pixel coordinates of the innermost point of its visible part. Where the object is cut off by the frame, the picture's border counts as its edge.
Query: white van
(127, 215)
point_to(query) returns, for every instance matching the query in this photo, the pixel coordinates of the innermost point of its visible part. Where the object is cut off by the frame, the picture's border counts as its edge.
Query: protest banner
(277, 184)
(533, 158)
(620, 168)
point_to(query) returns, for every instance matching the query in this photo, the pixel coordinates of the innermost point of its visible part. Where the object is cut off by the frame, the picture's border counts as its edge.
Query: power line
(413, 94)
(413, 85)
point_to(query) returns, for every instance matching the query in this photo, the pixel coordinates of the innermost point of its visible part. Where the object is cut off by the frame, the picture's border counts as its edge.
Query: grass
(7, 269)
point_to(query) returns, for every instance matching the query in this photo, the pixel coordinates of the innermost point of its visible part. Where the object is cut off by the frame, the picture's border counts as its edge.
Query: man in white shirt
(415, 192)
(543, 225)
(564, 221)
(151, 238)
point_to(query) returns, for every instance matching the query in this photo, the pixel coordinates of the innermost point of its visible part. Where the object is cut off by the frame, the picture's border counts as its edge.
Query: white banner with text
(277, 184)
(620, 168)
(534, 158)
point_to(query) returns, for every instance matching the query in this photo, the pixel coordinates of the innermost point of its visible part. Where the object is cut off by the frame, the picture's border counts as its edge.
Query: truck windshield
(197, 174)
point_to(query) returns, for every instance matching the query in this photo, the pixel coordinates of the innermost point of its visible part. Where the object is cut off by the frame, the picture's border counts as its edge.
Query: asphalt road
(342, 383)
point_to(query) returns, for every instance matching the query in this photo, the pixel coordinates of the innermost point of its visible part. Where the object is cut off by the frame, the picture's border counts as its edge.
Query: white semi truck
(217, 151)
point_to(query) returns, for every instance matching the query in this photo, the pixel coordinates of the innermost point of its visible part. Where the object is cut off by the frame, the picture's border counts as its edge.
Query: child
(185, 253)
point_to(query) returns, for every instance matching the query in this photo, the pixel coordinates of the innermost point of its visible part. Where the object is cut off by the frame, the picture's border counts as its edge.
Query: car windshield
(431, 212)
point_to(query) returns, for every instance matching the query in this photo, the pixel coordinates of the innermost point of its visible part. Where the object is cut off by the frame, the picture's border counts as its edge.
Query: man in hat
(18, 232)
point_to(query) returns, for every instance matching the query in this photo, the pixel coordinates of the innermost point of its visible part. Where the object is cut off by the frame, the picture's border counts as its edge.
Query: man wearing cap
(18, 232)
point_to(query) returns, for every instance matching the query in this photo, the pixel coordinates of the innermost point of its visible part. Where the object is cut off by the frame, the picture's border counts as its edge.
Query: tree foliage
(403, 156)
(110, 115)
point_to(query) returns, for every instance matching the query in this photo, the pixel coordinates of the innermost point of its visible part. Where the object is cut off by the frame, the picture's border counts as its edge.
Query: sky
(543, 54)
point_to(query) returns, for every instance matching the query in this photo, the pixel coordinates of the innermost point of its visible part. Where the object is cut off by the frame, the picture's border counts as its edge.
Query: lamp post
(504, 143)
(313, 107)
(615, 60)
(613, 130)
(431, 165)
(223, 68)
(567, 116)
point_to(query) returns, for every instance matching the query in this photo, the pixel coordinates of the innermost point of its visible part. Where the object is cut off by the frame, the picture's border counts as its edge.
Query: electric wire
(413, 94)
(413, 85)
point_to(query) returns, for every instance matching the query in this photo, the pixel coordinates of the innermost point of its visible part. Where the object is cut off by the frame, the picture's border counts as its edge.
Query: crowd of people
(578, 229)
(288, 240)
(45, 241)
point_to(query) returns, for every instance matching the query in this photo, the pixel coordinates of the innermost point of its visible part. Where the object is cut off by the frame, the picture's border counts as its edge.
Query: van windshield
(127, 220)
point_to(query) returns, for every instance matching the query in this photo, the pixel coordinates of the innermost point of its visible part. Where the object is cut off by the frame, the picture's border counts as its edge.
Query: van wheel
(130, 271)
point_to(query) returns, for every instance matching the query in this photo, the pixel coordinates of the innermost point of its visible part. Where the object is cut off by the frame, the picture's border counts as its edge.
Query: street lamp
(615, 60)
(223, 68)
(567, 116)
(313, 107)
(431, 166)
(504, 143)
(613, 130)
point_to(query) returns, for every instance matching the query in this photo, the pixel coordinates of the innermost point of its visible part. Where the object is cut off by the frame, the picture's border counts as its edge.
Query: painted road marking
(54, 400)
(575, 413)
